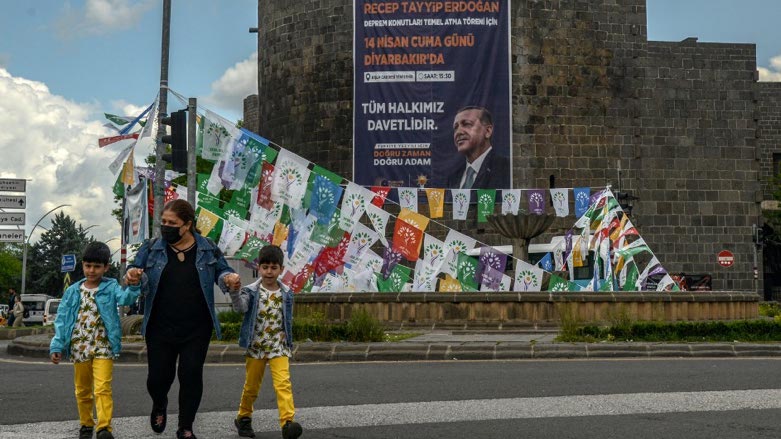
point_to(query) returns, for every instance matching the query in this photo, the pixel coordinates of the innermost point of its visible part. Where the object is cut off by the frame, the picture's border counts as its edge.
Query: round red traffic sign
(726, 258)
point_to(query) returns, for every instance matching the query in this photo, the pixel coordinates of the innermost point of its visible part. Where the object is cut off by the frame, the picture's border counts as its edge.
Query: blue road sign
(68, 263)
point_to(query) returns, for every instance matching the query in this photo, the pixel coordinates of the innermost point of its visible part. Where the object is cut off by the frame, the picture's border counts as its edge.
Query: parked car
(50, 311)
(33, 307)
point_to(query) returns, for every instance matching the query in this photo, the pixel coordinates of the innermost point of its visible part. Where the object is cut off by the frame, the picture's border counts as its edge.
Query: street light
(27, 242)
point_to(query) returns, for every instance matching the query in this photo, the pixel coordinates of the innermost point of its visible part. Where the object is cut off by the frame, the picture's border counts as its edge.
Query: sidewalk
(443, 345)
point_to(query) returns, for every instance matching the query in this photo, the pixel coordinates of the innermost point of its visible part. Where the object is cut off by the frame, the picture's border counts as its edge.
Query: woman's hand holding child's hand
(133, 276)
(233, 281)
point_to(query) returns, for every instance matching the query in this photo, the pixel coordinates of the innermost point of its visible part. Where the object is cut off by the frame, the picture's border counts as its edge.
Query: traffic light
(177, 139)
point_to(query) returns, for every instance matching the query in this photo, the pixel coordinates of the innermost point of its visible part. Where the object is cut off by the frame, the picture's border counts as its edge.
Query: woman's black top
(179, 311)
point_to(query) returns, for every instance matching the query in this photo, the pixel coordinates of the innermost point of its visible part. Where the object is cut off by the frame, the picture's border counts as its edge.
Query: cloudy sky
(63, 64)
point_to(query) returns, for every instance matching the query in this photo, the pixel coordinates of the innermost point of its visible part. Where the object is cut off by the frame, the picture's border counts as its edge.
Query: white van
(33, 307)
(50, 311)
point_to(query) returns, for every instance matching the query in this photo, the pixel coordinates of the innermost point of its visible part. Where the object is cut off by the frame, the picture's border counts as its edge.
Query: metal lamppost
(27, 242)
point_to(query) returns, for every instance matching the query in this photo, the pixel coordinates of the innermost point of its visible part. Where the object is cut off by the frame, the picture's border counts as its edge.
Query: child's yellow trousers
(90, 378)
(280, 375)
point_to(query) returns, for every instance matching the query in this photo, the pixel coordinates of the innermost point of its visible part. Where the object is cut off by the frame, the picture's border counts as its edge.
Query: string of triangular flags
(278, 199)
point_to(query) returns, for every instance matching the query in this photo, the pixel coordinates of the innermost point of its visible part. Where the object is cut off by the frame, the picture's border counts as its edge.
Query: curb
(37, 346)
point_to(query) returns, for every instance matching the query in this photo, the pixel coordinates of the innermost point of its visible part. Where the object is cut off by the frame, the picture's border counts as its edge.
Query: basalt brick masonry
(684, 126)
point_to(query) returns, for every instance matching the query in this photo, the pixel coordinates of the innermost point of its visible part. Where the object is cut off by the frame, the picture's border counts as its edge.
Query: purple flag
(536, 199)
(568, 243)
(390, 258)
(491, 257)
(654, 271)
(491, 278)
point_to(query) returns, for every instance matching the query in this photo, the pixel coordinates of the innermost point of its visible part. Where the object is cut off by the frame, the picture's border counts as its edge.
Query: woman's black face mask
(170, 234)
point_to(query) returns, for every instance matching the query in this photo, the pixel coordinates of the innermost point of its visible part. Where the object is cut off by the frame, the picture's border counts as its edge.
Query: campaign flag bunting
(280, 234)
(262, 220)
(546, 263)
(425, 276)
(390, 258)
(370, 262)
(217, 136)
(395, 280)
(490, 279)
(408, 198)
(249, 251)
(232, 237)
(266, 183)
(379, 219)
(461, 200)
(491, 257)
(455, 243)
(433, 251)
(582, 201)
(560, 199)
(332, 257)
(361, 240)
(414, 219)
(485, 204)
(536, 199)
(327, 234)
(209, 224)
(511, 201)
(449, 285)
(119, 120)
(557, 284)
(381, 193)
(467, 267)
(527, 277)
(297, 281)
(135, 216)
(354, 204)
(290, 179)
(407, 239)
(325, 195)
(436, 202)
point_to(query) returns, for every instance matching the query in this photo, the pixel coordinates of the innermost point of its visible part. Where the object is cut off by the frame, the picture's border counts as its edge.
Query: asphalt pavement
(438, 345)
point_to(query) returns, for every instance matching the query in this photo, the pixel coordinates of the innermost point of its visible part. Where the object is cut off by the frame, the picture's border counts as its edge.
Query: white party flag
(291, 177)
(361, 239)
(560, 198)
(455, 243)
(425, 276)
(433, 251)
(527, 277)
(354, 202)
(408, 198)
(511, 201)
(461, 199)
(379, 219)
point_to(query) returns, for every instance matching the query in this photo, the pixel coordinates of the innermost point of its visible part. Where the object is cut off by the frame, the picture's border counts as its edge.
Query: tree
(10, 269)
(45, 256)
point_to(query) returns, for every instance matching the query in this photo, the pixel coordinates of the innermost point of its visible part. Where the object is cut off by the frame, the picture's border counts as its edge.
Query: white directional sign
(12, 185)
(11, 235)
(11, 219)
(13, 201)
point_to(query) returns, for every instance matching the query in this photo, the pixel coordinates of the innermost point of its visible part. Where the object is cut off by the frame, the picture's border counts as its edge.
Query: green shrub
(230, 331)
(230, 317)
(770, 309)
(739, 330)
(363, 327)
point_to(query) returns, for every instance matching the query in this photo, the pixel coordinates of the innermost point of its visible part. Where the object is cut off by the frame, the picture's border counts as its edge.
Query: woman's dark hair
(271, 254)
(96, 252)
(183, 210)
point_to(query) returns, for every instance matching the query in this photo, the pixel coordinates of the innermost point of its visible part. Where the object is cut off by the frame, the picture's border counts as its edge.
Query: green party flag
(310, 282)
(269, 154)
(631, 277)
(466, 268)
(241, 198)
(250, 250)
(208, 201)
(395, 282)
(119, 120)
(201, 182)
(284, 218)
(607, 285)
(557, 284)
(199, 136)
(572, 286)
(235, 210)
(486, 201)
(256, 150)
(467, 288)
(329, 234)
(119, 187)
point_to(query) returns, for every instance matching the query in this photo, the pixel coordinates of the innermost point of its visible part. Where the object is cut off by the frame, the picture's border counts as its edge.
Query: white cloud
(773, 73)
(102, 16)
(52, 142)
(238, 82)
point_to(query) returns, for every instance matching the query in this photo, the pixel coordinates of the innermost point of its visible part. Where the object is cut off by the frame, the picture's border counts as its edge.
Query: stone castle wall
(690, 129)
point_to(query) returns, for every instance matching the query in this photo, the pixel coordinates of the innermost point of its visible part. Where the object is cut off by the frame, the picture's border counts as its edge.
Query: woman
(18, 311)
(178, 273)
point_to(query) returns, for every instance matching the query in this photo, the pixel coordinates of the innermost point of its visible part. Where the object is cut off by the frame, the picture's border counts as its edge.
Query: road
(693, 398)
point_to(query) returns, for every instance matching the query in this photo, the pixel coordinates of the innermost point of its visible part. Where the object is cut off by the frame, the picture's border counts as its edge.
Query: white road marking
(220, 424)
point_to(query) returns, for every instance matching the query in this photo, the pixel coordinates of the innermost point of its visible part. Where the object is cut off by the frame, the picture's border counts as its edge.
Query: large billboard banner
(432, 94)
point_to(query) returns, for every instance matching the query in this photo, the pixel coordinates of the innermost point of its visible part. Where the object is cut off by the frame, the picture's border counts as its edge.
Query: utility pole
(162, 112)
(191, 141)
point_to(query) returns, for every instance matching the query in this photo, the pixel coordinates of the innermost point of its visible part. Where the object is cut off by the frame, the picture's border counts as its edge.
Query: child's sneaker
(244, 425)
(291, 430)
(85, 432)
(104, 434)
